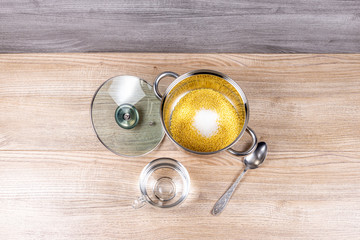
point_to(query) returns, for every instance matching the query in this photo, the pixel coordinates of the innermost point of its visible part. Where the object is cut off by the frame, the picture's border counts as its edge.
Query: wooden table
(57, 181)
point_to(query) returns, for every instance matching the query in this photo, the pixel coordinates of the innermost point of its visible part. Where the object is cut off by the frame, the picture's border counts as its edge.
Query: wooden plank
(57, 181)
(180, 26)
(298, 103)
(88, 194)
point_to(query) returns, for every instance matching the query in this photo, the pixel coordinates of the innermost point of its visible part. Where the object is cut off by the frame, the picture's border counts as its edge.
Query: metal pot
(221, 83)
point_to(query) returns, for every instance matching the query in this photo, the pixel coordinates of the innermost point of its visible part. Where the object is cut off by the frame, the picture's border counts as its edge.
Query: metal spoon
(251, 161)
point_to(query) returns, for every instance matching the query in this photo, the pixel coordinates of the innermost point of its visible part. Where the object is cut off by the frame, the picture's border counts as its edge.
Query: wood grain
(279, 26)
(310, 99)
(87, 194)
(58, 182)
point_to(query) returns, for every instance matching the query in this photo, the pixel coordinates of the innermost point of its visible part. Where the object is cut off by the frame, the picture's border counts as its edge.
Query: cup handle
(139, 202)
(251, 149)
(157, 80)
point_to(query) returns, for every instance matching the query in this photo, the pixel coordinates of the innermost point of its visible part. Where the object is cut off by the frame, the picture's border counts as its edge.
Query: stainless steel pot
(219, 82)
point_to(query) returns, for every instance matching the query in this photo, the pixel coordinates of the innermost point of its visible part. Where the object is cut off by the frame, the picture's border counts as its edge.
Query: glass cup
(164, 183)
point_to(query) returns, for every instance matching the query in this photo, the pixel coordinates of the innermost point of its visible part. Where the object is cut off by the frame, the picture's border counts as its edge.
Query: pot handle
(157, 80)
(251, 149)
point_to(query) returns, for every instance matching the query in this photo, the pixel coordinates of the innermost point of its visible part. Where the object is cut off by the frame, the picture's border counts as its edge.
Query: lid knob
(126, 116)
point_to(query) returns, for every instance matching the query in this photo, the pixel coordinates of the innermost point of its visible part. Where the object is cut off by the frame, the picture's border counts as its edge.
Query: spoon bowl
(255, 159)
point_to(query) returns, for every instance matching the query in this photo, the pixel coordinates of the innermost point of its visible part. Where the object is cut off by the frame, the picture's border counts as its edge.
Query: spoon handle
(222, 202)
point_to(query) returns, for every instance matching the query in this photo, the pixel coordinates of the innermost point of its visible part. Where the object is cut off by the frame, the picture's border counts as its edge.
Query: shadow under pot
(204, 112)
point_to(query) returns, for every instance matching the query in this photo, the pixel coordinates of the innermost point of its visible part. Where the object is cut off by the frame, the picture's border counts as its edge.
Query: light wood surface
(57, 181)
(262, 26)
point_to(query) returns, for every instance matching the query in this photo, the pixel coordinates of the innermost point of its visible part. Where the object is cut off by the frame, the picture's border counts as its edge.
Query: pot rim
(214, 73)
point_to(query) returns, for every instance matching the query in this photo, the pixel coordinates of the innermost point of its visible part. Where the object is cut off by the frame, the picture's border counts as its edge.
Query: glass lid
(125, 114)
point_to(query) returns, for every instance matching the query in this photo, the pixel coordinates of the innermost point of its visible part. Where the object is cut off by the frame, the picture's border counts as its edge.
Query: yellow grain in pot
(205, 121)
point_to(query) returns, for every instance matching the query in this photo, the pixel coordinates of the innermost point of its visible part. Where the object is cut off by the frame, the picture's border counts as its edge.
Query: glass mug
(164, 183)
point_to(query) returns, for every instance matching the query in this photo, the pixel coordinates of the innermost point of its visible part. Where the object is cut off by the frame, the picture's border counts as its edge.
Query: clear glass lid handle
(139, 202)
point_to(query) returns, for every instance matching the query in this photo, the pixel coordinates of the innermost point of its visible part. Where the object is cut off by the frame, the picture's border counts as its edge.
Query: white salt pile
(205, 121)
